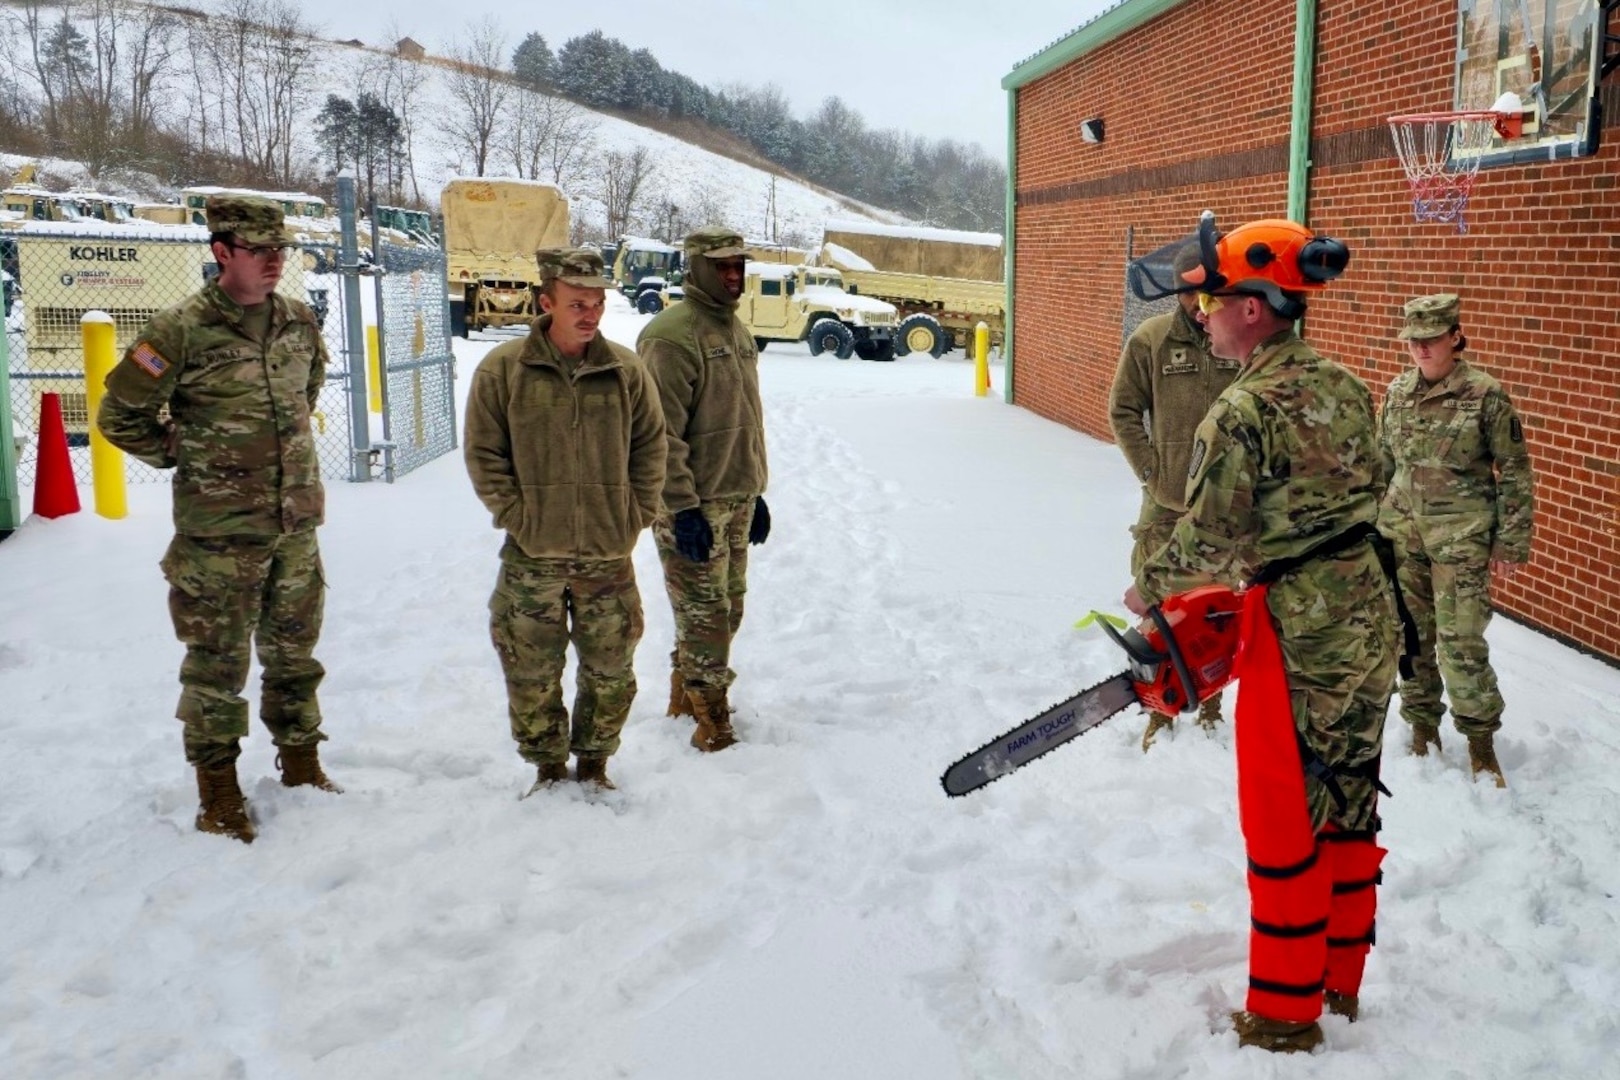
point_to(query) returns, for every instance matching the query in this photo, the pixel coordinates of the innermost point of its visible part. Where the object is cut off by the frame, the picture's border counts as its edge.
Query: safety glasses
(1209, 303)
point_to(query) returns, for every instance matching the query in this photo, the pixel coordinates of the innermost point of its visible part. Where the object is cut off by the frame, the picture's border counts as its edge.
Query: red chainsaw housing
(1203, 628)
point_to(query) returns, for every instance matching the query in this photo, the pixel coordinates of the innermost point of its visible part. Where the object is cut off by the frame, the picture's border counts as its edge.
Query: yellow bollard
(106, 460)
(373, 373)
(981, 359)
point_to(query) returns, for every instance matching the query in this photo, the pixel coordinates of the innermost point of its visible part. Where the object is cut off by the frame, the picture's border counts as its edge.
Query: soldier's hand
(1134, 602)
(1505, 570)
(693, 537)
(760, 526)
(171, 440)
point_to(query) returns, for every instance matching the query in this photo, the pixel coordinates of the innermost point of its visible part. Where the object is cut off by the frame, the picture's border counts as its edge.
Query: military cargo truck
(810, 304)
(943, 281)
(492, 228)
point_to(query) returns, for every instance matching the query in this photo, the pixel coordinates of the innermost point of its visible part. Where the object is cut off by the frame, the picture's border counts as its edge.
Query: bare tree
(623, 177)
(547, 138)
(151, 47)
(479, 89)
(34, 22)
(402, 84)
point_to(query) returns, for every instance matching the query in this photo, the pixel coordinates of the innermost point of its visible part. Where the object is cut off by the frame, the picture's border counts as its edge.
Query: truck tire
(875, 350)
(649, 303)
(458, 318)
(830, 335)
(921, 333)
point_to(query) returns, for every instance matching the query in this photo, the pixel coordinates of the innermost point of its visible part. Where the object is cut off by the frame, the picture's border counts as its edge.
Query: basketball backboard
(1549, 52)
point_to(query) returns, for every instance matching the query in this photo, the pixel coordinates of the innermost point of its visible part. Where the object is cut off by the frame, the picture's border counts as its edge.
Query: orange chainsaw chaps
(1290, 885)
(1355, 860)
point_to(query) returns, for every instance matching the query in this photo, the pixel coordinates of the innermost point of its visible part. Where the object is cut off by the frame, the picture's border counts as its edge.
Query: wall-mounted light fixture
(1092, 130)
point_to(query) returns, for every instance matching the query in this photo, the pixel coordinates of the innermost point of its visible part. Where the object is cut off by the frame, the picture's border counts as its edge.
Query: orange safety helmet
(1269, 258)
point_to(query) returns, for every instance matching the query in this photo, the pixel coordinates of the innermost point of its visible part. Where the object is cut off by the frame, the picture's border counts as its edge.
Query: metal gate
(414, 357)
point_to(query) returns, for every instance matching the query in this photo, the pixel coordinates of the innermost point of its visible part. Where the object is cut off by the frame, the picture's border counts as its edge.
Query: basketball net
(1441, 152)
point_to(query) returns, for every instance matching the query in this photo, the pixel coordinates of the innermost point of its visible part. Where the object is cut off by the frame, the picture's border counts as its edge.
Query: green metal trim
(10, 500)
(1299, 128)
(1104, 28)
(1010, 247)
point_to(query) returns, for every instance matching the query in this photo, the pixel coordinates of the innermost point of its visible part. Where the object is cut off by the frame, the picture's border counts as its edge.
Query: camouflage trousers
(230, 594)
(707, 596)
(538, 607)
(1341, 672)
(1152, 530)
(1451, 604)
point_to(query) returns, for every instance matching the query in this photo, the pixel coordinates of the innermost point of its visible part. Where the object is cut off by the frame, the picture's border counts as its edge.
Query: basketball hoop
(1441, 152)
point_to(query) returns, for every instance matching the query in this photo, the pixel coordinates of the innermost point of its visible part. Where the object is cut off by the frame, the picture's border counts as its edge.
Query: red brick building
(1213, 104)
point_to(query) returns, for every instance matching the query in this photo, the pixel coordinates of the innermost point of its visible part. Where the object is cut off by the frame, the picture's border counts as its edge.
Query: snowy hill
(695, 184)
(805, 906)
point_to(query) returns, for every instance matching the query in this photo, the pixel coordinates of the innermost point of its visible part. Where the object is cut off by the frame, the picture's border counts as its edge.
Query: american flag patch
(149, 360)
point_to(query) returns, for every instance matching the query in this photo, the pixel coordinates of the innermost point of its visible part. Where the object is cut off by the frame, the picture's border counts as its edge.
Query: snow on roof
(291, 196)
(915, 232)
(772, 271)
(500, 180)
(123, 230)
(844, 257)
(642, 243)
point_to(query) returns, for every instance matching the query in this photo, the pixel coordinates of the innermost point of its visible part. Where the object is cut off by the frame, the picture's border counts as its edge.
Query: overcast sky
(928, 67)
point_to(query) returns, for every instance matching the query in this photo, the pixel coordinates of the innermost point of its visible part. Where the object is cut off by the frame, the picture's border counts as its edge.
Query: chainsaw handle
(1188, 692)
(1135, 646)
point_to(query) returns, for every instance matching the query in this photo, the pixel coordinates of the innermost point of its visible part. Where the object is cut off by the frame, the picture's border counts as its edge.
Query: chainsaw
(1180, 655)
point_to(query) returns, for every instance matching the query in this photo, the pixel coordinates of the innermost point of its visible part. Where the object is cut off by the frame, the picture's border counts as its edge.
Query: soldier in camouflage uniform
(1165, 383)
(1283, 489)
(220, 388)
(565, 446)
(714, 504)
(1458, 508)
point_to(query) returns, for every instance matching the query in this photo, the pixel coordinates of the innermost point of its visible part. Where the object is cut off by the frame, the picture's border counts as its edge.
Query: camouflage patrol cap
(1430, 316)
(251, 219)
(580, 267)
(717, 242)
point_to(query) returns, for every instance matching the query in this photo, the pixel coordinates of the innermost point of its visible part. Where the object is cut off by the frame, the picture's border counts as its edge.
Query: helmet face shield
(1159, 273)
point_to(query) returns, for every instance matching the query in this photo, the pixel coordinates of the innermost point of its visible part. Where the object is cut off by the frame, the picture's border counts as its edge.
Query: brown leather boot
(301, 767)
(1209, 715)
(1345, 1005)
(714, 731)
(679, 704)
(1157, 722)
(1278, 1036)
(548, 775)
(223, 810)
(1482, 758)
(1423, 737)
(593, 770)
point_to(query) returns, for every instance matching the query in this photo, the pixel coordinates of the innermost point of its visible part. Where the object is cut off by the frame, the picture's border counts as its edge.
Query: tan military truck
(492, 228)
(810, 304)
(943, 281)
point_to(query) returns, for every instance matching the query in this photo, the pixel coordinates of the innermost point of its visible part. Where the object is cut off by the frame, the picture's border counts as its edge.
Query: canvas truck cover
(490, 222)
(914, 249)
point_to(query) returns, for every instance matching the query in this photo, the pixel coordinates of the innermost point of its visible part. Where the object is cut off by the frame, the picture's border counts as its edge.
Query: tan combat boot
(1345, 1005)
(1482, 758)
(548, 775)
(1423, 737)
(714, 731)
(301, 767)
(1157, 722)
(1278, 1036)
(1209, 715)
(223, 810)
(679, 704)
(593, 770)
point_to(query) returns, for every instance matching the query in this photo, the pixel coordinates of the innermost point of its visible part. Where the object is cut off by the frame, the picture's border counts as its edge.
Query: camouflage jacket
(1286, 459)
(1460, 481)
(244, 455)
(1165, 383)
(569, 462)
(707, 371)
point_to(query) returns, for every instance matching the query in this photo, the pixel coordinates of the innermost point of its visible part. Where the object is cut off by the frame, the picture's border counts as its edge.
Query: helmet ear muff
(1322, 259)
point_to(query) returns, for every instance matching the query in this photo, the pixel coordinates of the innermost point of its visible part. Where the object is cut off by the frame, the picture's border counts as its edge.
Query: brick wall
(1539, 269)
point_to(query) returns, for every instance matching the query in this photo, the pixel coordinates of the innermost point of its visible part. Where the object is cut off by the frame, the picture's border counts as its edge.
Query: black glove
(693, 537)
(760, 528)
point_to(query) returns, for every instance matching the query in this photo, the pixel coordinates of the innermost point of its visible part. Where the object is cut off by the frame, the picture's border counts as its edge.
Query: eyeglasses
(268, 251)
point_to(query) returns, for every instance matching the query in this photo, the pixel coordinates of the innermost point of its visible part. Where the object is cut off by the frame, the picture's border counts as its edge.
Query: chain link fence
(57, 272)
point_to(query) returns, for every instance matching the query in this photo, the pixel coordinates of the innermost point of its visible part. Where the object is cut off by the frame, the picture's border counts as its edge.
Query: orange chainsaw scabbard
(1290, 884)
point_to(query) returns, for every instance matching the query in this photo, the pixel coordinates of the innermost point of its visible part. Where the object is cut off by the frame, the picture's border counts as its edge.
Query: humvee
(810, 304)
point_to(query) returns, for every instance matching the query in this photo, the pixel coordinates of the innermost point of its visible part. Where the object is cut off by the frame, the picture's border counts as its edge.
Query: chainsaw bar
(1047, 731)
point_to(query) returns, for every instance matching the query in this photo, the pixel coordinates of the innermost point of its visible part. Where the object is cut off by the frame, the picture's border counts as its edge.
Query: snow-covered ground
(806, 906)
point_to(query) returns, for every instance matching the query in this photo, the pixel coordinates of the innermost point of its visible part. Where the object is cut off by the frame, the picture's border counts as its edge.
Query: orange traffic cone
(55, 492)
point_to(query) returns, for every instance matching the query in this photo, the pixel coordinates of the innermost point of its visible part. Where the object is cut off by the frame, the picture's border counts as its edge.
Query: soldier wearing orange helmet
(1282, 496)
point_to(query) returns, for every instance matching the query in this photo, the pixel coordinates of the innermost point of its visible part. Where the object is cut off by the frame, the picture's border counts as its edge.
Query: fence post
(354, 334)
(10, 501)
(99, 334)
